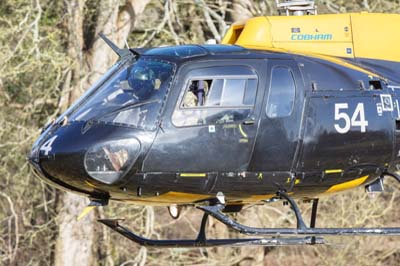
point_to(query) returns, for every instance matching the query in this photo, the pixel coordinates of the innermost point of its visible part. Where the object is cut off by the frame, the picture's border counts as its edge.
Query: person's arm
(200, 92)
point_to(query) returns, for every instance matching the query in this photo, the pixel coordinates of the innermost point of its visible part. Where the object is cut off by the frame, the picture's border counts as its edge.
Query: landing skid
(309, 233)
(202, 241)
(302, 229)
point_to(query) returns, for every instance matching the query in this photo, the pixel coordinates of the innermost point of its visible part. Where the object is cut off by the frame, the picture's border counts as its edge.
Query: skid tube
(302, 229)
(308, 235)
(202, 241)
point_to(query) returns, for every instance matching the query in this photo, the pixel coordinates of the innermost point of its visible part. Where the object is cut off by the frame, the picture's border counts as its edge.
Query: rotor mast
(296, 7)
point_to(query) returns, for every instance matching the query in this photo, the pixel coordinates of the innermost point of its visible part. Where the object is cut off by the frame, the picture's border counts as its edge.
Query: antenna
(296, 7)
(126, 44)
(120, 52)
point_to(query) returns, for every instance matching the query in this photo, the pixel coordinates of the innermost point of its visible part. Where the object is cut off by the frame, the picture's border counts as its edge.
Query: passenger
(194, 97)
(199, 88)
(190, 99)
(197, 94)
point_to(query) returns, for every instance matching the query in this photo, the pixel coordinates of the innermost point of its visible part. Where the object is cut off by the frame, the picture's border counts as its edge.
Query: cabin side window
(282, 93)
(216, 100)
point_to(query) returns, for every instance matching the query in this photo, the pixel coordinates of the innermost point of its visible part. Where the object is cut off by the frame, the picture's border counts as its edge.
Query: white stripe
(393, 87)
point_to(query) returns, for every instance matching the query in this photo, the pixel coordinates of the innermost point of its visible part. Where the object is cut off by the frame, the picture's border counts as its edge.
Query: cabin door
(278, 138)
(211, 120)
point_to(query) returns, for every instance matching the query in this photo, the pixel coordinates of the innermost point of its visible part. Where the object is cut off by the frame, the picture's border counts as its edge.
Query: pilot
(137, 84)
(140, 85)
(143, 82)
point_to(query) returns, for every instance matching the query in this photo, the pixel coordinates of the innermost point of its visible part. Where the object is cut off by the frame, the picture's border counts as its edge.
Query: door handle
(249, 121)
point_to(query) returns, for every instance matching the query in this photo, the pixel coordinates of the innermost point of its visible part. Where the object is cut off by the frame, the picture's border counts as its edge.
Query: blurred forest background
(50, 53)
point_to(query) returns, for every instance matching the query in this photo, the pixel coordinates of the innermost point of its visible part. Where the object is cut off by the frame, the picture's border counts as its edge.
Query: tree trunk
(241, 9)
(75, 244)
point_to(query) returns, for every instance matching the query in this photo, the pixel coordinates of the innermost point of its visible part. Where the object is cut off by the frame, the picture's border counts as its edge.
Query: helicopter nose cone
(33, 156)
(73, 156)
(46, 157)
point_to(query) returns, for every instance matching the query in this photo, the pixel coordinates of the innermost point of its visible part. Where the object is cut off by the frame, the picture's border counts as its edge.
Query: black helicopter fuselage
(270, 121)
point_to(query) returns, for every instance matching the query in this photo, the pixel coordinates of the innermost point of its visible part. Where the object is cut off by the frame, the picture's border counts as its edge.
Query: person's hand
(157, 84)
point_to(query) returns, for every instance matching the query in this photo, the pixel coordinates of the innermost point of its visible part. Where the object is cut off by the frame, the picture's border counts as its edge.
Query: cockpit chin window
(133, 96)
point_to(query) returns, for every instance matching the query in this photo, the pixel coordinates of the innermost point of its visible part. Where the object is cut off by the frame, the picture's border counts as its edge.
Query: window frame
(270, 89)
(190, 77)
(214, 77)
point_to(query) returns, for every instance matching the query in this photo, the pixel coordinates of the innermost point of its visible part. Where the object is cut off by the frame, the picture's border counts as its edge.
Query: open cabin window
(216, 100)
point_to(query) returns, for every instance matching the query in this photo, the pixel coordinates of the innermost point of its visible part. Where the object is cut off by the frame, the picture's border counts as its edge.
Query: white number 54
(357, 119)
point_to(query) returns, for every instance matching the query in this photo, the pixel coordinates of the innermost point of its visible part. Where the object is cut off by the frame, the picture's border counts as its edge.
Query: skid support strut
(302, 229)
(395, 176)
(314, 213)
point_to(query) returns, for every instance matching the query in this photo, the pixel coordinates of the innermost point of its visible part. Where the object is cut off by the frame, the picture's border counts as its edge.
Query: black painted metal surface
(325, 124)
(253, 156)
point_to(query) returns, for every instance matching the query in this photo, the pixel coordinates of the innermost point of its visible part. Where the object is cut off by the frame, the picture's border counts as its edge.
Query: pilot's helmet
(142, 81)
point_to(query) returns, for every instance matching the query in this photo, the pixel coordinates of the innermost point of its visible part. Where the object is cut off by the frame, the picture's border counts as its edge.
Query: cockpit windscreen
(133, 96)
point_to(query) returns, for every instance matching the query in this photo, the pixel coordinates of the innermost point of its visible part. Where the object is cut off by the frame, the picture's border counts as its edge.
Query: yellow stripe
(242, 131)
(169, 198)
(173, 197)
(193, 175)
(333, 171)
(85, 212)
(90, 184)
(347, 185)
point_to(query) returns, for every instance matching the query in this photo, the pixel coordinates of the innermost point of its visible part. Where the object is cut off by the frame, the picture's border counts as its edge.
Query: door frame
(297, 114)
(175, 97)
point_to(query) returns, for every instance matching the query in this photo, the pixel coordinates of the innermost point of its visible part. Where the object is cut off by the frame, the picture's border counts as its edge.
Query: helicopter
(285, 108)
